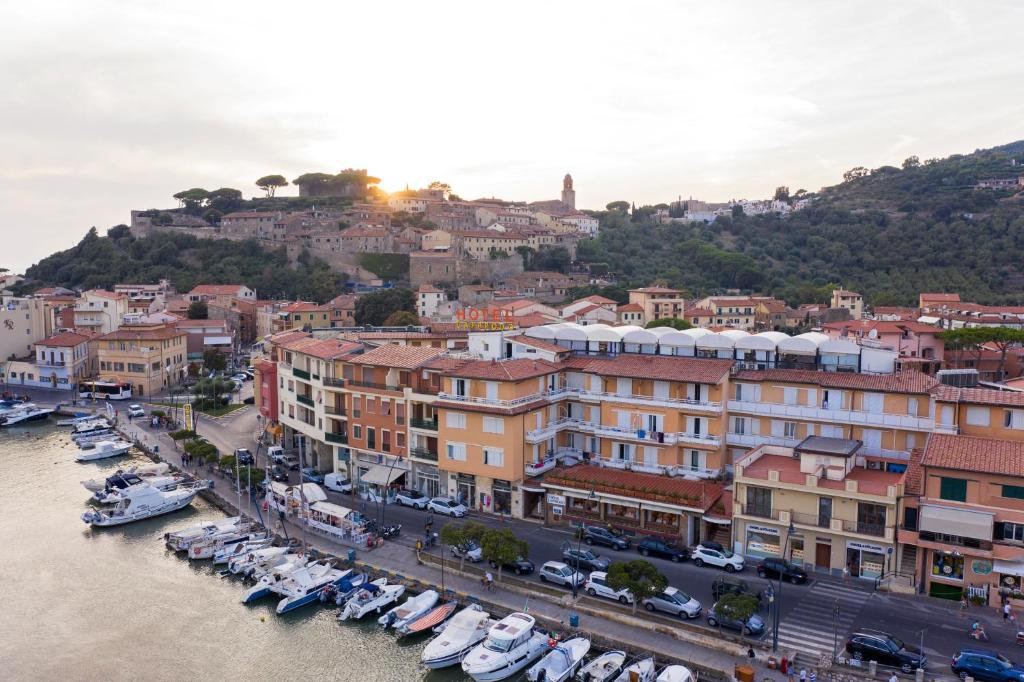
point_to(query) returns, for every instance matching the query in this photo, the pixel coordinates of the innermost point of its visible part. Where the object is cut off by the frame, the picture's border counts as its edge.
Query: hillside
(186, 261)
(890, 234)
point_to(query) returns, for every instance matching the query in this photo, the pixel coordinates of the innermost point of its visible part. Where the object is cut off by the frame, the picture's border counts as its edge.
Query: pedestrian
(750, 653)
(846, 572)
(963, 606)
(1006, 612)
(803, 674)
(791, 674)
(894, 678)
(814, 676)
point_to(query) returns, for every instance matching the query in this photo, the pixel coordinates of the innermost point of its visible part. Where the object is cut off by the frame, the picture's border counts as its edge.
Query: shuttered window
(953, 489)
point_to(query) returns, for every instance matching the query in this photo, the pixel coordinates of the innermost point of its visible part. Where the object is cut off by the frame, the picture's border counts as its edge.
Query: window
(357, 431)
(399, 413)
(759, 501)
(136, 368)
(457, 451)
(789, 429)
(739, 425)
(1014, 491)
(789, 396)
(455, 420)
(953, 489)
(978, 416)
(371, 438)
(1011, 531)
(1013, 419)
(357, 406)
(385, 407)
(399, 439)
(156, 366)
(494, 457)
(948, 566)
(371, 405)
(385, 441)
(494, 425)
(118, 366)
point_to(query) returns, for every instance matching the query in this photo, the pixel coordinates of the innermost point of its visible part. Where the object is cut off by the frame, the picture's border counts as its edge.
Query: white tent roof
(763, 341)
(311, 492)
(803, 344)
(643, 336)
(547, 331)
(839, 347)
(686, 338)
(382, 475)
(571, 331)
(716, 341)
(331, 509)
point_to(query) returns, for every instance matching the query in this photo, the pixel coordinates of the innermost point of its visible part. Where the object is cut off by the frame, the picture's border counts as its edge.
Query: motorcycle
(392, 531)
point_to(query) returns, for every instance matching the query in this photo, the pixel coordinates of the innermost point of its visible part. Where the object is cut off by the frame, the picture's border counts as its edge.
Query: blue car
(311, 475)
(985, 664)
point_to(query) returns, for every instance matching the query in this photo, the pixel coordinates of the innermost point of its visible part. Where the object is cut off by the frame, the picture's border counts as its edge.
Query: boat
(25, 413)
(143, 502)
(411, 609)
(338, 597)
(205, 549)
(248, 563)
(118, 487)
(641, 670)
(304, 586)
(603, 668)
(94, 437)
(143, 472)
(510, 646)
(273, 576)
(561, 662)
(240, 548)
(372, 597)
(103, 449)
(457, 637)
(676, 673)
(75, 421)
(429, 620)
(181, 540)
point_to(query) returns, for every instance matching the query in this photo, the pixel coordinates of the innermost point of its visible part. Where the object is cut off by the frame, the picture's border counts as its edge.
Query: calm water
(107, 604)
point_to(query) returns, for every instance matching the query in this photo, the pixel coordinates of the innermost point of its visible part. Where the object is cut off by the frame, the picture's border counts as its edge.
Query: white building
(428, 300)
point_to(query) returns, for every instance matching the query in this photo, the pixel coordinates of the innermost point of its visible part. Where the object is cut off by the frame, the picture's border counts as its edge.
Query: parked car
(290, 461)
(560, 574)
(597, 586)
(752, 626)
(244, 457)
(780, 569)
(241, 376)
(660, 548)
(596, 535)
(584, 559)
(447, 506)
(279, 473)
(875, 645)
(276, 454)
(723, 585)
(985, 664)
(469, 551)
(520, 566)
(311, 475)
(339, 483)
(136, 411)
(249, 401)
(675, 602)
(412, 498)
(722, 558)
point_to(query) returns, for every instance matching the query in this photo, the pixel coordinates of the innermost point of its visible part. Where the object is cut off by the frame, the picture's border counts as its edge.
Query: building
(220, 293)
(59, 362)
(149, 357)
(428, 300)
(770, 314)
(366, 240)
(481, 244)
(658, 302)
(249, 224)
(929, 301)
(100, 312)
(822, 504)
(917, 344)
(23, 322)
(408, 204)
(303, 315)
(204, 335)
(568, 193)
(848, 300)
(736, 312)
(631, 314)
(436, 240)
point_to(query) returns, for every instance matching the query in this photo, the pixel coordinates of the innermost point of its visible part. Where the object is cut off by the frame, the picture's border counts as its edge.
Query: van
(276, 454)
(338, 483)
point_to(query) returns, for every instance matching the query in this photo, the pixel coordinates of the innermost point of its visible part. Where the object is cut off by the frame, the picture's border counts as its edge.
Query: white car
(722, 558)
(560, 574)
(675, 602)
(470, 551)
(136, 411)
(447, 506)
(408, 497)
(597, 586)
(338, 483)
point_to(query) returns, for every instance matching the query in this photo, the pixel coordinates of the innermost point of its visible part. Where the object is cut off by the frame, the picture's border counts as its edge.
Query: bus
(105, 390)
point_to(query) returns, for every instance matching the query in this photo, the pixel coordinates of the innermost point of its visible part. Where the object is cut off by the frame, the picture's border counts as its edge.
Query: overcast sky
(107, 106)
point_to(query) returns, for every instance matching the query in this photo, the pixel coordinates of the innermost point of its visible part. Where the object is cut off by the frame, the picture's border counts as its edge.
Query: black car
(874, 645)
(985, 664)
(244, 457)
(724, 585)
(279, 473)
(584, 560)
(780, 569)
(520, 566)
(660, 548)
(596, 535)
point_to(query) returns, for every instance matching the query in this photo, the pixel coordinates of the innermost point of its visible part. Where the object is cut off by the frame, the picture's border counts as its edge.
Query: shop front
(427, 479)
(946, 574)
(761, 542)
(865, 560)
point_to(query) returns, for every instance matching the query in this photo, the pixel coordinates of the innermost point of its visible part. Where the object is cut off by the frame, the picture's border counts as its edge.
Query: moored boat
(24, 413)
(411, 609)
(257, 560)
(429, 620)
(142, 472)
(459, 635)
(144, 502)
(274, 575)
(603, 668)
(641, 670)
(304, 586)
(103, 449)
(510, 646)
(181, 540)
(371, 598)
(228, 552)
(205, 549)
(561, 662)
(676, 673)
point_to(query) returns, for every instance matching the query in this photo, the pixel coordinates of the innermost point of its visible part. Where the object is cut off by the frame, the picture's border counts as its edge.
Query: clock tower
(568, 193)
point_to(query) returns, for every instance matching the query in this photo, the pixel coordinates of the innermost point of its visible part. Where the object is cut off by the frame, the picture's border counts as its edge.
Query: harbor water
(116, 604)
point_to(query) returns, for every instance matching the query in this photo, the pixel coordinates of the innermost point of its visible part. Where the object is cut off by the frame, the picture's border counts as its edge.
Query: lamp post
(579, 547)
(778, 607)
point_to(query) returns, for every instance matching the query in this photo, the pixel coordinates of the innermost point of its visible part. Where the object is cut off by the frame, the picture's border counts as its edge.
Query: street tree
(270, 183)
(501, 546)
(401, 318)
(214, 360)
(460, 534)
(673, 322)
(198, 310)
(737, 607)
(641, 578)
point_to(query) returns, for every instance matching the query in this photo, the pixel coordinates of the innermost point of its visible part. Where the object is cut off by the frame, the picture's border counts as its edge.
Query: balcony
(335, 411)
(300, 373)
(509, 404)
(833, 416)
(305, 400)
(428, 424)
(761, 511)
(753, 440)
(374, 384)
(340, 438)
(333, 382)
(607, 431)
(875, 529)
(816, 520)
(654, 401)
(423, 453)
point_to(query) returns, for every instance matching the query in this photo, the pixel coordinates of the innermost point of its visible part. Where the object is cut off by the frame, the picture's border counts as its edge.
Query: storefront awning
(953, 521)
(1009, 567)
(532, 489)
(720, 522)
(382, 475)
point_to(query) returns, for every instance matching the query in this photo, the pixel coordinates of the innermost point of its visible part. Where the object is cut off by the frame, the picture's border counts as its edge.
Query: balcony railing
(833, 415)
(684, 403)
(817, 520)
(428, 424)
(760, 511)
(753, 440)
(331, 437)
(423, 453)
(608, 431)
(300, 373)
(335, 411)
(514, 402)
(374, 384)
(333, 382)
(305, 400)
(863, 528)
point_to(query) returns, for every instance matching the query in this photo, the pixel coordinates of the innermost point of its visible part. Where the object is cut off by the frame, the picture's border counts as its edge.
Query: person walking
(1006, 612)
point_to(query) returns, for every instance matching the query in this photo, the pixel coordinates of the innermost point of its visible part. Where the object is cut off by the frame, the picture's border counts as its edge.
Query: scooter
(392, 531)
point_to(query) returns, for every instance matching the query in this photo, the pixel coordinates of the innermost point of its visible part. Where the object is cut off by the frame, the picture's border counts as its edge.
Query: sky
(111, 105)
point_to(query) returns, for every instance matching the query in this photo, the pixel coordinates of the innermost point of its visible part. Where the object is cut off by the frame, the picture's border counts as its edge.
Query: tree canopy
(198, 310)
(972, 338)
(401, 318)
(502, 546)
(673, 322)
(374, 308)
(270, 183)
(641, 578)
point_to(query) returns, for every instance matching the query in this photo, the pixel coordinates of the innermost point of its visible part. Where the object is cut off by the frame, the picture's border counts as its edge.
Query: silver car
(675, 602)
(560, 574)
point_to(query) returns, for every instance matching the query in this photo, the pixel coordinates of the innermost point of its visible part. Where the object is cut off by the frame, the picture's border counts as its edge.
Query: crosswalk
(808, 628)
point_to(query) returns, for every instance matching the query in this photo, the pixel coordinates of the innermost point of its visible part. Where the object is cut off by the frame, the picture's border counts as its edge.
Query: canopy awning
(382, 475)
(954, 521)
(1009, 567)
(717, 521)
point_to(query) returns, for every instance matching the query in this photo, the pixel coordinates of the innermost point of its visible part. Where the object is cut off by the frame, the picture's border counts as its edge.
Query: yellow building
(850, 300)
(149, 357)
(658, 302)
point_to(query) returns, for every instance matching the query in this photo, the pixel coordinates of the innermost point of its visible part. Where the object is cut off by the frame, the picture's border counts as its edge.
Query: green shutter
(953, 489)
(1014, 491)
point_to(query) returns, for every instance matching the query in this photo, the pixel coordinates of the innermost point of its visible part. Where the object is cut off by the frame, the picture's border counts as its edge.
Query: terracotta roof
(223, 324)
(941, 298)
(532, 320)
(633, 484)
(734, 302)
(915, 473)
(586, 309)
(600, 300)
(401, 357)
(216, 289)
(282, 338)
(325, 349)
(844, 292)
(966, 453)
(665, 368)
(303, 307)
(699, 312)
(979, 396)
(65, 340)
(150, 333)
(539, 343)
(103, 293)
(429, 289)
(901, 382)
(630, 308)
(883, 326)
(657, 290)
(503, 370)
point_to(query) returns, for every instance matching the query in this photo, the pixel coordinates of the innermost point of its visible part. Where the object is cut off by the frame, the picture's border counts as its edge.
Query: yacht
(103, 449)
(676, 673)
(372, 597)
(338, 597)
(465, 630)
(603, 668)
(24, 413)
(274, 575)
(641, 670)
(142, 502)
(410, 610)
(248, 563)
(181, 540)
(305, 585)
(205, 549)
(117, 490)
(510, 646)
(561, 662)
(240, 549)
(142, 472)
(90, 425)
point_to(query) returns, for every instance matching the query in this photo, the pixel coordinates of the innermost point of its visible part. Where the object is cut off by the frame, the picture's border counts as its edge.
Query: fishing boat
(142, 472)
(676, 673)
(181, 540)
(457, 637)
(429, 620)
(641, 670)
(372, 597)
(411, 609)
(273, 576)
(304, 586)
(23, 414)
(144, 502)
(249, 563)
(561, 662)
(603, 668)
(510, 646)
(241, 548)
(103, 449)
(205, 549)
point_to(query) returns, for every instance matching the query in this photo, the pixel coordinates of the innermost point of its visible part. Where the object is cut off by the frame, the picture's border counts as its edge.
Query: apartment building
(428, 299)
(222, 294)
(848, 300)
(301, 315)
(63, 360)
(23, 322)
(737, 312)
(149, 357)
(823, 504)
(658, 302)
(100, 312)
(979, 412)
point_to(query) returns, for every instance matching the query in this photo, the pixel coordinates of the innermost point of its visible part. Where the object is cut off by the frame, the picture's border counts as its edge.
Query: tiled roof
(103, 293)
(966, 453)
(902, 382)
(152, 333)
(630, 308)
(303, 307)
(222, 324)
(65, 340)
(532, 320)
(915, 473)
(504, 370)
(282, 338)
(665, 489)
(979, 396)
(539, 343)
(325, 349)
(428, 289)
(401, 357)
(844, 292)
(657, 290)
(216, 289)
(699, 312)
(941, 298)
(600, 300)
(665, 368)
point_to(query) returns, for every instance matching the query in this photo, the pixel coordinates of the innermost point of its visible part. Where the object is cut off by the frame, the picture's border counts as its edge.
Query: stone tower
(568, 193)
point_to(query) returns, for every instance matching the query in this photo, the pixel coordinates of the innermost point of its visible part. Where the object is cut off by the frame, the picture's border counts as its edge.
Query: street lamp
(778, 607)
(579, 546)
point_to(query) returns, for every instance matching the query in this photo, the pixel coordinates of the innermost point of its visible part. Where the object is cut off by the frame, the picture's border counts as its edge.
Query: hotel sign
(484, 319)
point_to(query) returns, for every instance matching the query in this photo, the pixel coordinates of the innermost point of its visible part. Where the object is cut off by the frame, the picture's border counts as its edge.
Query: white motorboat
(338, 597)
(411, 609)
(274, 575)
(75, 421)
(638, 671)
(24, 413)
(304, 586)
(676, 673)
(143, 502)
(561, 662)
(89, 425)
(249, 562)
(142, 472)
(96, 437)
(181, 540)
(228, 552)
(117, 489)
(103, 449)
(510, 646)
(205, 549)
(372, 597)
(603, 668)
(465, 630)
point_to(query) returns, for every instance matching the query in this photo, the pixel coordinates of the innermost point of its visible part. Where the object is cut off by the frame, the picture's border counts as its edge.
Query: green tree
(402, 318)
(116, 232)
(270, 183)
(374, 308)
(781, 193)
(738, 607)
(641, 578)
(911, 162)
(501, 546)
(618, 206)
(974, 338)
(673, 322)
(551, 258)
(198, 310)
(212, 393)
(225, 199)
(440, 186)
(460, 534)
(214, 360)
(192, 199)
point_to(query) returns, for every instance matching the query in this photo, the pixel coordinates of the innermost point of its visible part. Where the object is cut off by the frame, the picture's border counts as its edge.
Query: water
(114, 603)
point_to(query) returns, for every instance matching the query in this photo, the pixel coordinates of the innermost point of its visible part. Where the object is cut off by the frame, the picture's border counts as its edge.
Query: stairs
(903, 580)
(722, 535)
